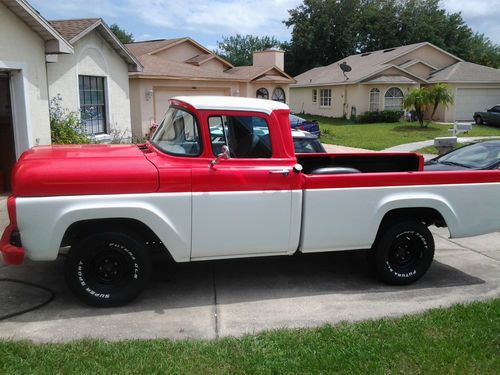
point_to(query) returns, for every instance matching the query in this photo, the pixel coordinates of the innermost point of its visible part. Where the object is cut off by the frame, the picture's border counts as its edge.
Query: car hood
(443, 167)
(83, 169)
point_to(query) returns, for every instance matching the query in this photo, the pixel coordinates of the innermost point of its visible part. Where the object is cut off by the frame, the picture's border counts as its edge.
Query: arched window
(374, 100)
(279, 95)
(262, 93)
(394, 99)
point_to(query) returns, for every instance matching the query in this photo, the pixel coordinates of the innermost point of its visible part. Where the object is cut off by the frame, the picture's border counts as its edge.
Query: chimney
(269, 57)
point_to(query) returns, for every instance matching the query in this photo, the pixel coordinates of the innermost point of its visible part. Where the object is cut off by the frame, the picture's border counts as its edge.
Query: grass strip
(463, 339)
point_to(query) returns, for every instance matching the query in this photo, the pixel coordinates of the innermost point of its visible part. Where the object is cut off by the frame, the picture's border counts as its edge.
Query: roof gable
(75, 29)
(464, 72)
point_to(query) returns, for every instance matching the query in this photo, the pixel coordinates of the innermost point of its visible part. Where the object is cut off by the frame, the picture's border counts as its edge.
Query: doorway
(7, 146)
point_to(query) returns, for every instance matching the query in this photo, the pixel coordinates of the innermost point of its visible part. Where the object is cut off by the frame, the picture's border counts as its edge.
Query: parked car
(305, 142)
(491, 116)
(480, 155)
(300, 123)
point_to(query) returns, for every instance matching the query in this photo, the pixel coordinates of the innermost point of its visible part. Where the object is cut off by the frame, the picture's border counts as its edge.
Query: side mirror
(223, 155)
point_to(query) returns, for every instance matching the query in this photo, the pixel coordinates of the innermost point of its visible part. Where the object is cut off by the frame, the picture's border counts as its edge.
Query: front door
(7, 148)
(243, 205)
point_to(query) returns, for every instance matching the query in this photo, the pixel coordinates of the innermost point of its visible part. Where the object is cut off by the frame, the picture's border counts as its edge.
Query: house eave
(54, 42)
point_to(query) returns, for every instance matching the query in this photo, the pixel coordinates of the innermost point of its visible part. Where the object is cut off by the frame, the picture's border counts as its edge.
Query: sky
(208, 21)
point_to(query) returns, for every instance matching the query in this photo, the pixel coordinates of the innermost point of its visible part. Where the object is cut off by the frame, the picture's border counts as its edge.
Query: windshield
(178, 134)
(307, 145)
(480, 155)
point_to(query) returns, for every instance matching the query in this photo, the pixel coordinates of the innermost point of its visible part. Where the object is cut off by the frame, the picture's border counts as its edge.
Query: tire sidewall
(478, 120)
(418, 267)
(79, 269)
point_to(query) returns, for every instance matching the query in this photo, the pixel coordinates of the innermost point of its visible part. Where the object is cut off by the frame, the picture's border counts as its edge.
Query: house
(182, 66)
(80, 60)
(379, 80)
(26, 39)
(94, 79)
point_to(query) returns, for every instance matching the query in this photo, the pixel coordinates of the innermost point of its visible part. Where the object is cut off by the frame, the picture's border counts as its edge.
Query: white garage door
(469, 101)
(163, 95)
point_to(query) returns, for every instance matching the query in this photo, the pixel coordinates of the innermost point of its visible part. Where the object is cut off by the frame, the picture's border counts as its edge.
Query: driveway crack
(216, 318)
(466, 247)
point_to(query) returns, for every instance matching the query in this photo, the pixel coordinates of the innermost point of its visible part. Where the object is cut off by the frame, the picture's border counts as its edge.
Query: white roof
(232, 103)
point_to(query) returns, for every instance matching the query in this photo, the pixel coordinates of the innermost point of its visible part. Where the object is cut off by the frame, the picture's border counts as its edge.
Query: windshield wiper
(446, 162)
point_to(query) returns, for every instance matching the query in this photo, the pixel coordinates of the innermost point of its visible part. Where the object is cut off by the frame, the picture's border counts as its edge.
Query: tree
(238, 49)
(439, 94)
(325, 31)
(122, 35)
(418, 99)
(423, 98)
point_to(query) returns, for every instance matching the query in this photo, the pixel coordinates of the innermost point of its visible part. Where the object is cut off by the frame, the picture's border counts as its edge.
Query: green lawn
(459, 340)
(381, 136)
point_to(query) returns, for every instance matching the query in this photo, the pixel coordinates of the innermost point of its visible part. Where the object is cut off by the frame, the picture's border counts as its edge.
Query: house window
(279, 95)
(325, 98)
(374, 100)
(262, 93)
(393, 99)
(92, 104)
(315, 96)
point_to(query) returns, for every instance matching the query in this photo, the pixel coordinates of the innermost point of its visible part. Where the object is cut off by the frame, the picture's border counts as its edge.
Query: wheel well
(82, 228)
(427, 216)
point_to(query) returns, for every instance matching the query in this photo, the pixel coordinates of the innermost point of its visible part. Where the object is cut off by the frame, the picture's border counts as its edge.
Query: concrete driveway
(236, 297)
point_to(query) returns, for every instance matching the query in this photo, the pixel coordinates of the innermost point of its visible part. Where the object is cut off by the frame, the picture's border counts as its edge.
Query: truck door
(243, 203)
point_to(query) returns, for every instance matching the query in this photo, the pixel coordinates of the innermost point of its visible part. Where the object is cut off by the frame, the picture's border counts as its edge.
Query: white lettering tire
(403, 253)
(108, 268)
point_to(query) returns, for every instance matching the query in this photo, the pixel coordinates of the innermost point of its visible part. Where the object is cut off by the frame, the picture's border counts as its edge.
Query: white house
(81, 60)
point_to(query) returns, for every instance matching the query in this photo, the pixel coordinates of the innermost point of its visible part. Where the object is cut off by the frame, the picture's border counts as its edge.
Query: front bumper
(11, 254)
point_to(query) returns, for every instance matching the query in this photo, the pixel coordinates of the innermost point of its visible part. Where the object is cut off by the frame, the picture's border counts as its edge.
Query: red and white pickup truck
(220, 179)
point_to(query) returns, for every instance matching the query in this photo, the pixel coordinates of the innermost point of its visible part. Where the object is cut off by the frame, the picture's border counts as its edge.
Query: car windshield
(178, 134)
(307, 145)
(294, 119)
(477, 156)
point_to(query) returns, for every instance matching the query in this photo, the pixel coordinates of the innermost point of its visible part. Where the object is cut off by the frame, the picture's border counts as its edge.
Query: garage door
(469, 101)
(161, 97)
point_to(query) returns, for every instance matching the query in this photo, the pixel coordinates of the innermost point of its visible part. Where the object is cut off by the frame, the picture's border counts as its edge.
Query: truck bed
(373, 162)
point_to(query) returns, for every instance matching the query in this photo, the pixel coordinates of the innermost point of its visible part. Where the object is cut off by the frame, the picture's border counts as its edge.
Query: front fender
(44, 221)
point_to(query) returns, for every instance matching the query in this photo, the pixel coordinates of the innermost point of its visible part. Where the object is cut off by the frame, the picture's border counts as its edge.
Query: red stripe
(400, 179)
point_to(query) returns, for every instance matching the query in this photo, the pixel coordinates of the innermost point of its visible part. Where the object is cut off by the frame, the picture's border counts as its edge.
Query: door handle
(284, 171)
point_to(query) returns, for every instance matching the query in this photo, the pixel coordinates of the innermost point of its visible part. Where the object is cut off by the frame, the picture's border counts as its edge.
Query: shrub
(382, 116)
(65, 126)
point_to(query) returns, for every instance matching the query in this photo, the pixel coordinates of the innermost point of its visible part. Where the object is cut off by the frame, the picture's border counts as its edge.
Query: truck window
(178, 134)
(246, 136)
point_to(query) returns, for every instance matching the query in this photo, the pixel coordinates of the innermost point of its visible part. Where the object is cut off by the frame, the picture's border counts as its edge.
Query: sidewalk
(408, 147)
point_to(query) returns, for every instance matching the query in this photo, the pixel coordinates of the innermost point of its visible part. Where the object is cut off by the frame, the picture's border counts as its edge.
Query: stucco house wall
(22, 52)
(94, 57)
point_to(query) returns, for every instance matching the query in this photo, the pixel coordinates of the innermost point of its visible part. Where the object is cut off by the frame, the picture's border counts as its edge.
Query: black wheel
(478, 120)
(108, 268)
(403, 253)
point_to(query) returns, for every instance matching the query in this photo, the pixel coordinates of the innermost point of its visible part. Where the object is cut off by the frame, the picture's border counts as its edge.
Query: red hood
(83, 169)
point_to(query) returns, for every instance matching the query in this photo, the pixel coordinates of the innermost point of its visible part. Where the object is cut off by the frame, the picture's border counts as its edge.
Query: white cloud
(480, 15)
(219, 17)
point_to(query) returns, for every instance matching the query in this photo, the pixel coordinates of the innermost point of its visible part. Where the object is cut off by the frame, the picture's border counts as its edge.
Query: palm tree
(418, 98)
(439, 94)
(422, 98)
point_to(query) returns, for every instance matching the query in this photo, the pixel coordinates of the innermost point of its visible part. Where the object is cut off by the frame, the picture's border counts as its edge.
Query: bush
(382, 116)
(65, 126)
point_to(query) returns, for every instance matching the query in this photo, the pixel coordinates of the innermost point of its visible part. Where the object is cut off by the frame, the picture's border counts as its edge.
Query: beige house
(379, 80)
(182, 66)
(80, 60)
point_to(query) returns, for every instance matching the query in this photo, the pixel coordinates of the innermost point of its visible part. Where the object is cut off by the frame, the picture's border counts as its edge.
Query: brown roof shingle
(71, 28)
